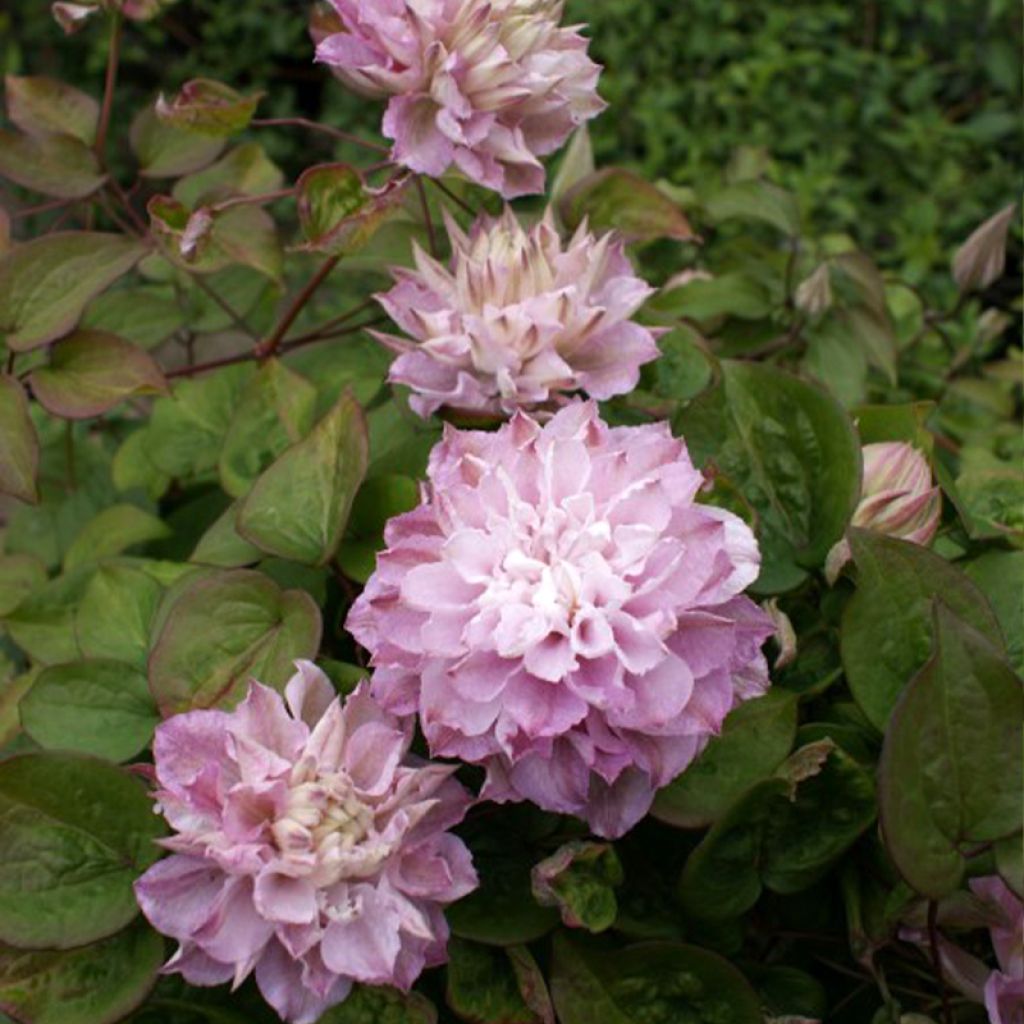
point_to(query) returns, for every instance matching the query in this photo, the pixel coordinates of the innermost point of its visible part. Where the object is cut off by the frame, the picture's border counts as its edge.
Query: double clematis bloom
(308, 847)
(898, 498)
(518, 320)
(562, 611)
(487, 85)
(1004, 990)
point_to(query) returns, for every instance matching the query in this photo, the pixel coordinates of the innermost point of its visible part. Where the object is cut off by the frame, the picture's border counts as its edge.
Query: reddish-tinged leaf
(45, 283)
(46, 106)
(166, 151)
(91, 371)
(206, 107)
(19, 450)
(55, 165)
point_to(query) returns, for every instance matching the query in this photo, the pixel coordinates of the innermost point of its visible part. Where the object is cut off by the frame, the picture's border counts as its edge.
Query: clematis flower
(486, 85)
(561, 610)
(1004, 990)
(308, 847)
(518, 320)
(897, 498)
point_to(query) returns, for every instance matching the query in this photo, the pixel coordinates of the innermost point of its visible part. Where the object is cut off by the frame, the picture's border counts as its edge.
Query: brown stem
(269, 346)
(427, 219)
(453, 197)
(933, 942)
(303, 122)
(113, 56)
(53, 204)
(328, 325)
(141, 226)
(266, 197)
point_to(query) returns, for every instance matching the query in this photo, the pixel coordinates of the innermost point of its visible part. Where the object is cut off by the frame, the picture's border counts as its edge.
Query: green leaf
(378, 500)
(75, 832)
(808, 834)
(186, 431)
(793, 454)
(755, 739)
(997, 574)
(730, 294)
(275, 411)
(165, 151)
(873, 331)
(115, 614)
(43, 624)
(55, 165)
(580, 880)
(223, 629)
(617, 199)
(132, 468)
(205, 107)
(338, 212)
(756, 200)
(952, 744)
(222, 545)
(502, 911)
(19, 456)
(482, 985)
(837, 359)
(45, 106)
(11, 692)
(886, 633)
(368, 1004)
(96, 984)
(244, 171)
(145, 315)
(648, 983)
(19, 576)
(46, 282)
(90, 372)
(299, 507)
(114, 530)
(92, 707)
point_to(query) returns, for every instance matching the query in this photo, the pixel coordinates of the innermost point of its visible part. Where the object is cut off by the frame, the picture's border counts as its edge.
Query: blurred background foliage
(896, 122)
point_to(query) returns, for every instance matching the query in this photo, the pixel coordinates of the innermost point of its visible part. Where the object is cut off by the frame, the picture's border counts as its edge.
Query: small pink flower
(309, 847)
(562, 611)
(486, 85)
(518, 321)
(1004, 990)
(898, 498)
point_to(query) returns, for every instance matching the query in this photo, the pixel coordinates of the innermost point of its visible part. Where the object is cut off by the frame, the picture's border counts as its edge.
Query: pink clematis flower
(518, 321)
(898, 498)
(562, 611)
(309, 847)
(1004, 990)
(487, 85)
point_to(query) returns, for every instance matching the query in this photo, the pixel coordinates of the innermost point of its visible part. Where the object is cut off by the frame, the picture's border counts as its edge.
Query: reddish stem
(269, 346)
(113, 56)
(302, 122)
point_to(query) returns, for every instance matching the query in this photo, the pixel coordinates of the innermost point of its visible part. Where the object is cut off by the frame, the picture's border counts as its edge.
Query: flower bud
(897, 498)
(982, 258)
(814, 294)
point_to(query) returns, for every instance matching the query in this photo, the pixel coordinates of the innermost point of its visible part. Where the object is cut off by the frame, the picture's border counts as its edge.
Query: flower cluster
(518, 321)
(561, 610)
(1004, 989)
(898, 498)
(308, 847)
(486, 85)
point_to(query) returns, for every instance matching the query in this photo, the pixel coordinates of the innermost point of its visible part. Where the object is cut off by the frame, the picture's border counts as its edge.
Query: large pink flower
(486, 85)
(562, 611)
(1004, 990)
(519, 320)
(308, 847)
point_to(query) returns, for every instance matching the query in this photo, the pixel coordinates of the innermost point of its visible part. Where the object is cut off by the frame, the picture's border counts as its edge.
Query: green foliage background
(896, 122)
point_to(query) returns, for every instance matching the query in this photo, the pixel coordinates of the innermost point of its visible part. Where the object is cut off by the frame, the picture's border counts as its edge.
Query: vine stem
(933, 942)
(113, 57)
(427, 219)
(269, 346)
(303, 122)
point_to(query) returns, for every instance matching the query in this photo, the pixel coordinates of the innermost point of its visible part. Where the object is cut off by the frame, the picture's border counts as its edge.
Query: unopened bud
(898, 498)
(814, 294)
(982, 258)
(71, 17)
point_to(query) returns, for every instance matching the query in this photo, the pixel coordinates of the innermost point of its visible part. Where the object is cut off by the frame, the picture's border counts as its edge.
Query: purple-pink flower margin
(518, 321)
(487, 85)
(561, 610)
(1004, 990)
(309, 847)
